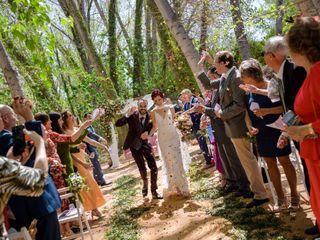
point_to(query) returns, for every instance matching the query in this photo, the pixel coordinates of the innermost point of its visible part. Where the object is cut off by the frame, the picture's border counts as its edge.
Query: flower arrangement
(76, 183)
(184, 124)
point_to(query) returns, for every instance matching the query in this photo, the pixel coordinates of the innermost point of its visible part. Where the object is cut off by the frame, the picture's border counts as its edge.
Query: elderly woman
(267, 138)
(304, 45)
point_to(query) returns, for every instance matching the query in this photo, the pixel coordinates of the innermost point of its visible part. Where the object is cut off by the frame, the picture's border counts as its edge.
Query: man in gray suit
(232, 112)
(235, 174)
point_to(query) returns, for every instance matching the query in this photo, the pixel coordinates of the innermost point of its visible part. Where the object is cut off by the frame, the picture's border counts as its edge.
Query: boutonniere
(228, 89)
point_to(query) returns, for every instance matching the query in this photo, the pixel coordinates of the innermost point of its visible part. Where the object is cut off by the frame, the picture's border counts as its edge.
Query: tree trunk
(280, 14)
(204, 24)
(239, 29)
(149, 48)
(31, 77)
(125, 32)
(10, 72)
(101, 13)
(113, 44)
(70, 9)
(181, 37)
(308, 7)
(138, 56)
(65, 85)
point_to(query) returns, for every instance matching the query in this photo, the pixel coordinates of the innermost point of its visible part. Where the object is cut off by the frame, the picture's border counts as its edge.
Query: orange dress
(307, 106)
(93, 198)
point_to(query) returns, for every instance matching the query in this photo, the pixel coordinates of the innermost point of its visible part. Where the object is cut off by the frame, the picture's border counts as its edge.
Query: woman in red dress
(304, 46)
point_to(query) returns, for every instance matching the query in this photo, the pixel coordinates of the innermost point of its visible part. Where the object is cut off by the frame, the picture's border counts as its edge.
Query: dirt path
(186, 219)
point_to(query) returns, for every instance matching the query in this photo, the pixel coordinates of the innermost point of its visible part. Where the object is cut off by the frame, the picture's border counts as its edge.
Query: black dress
(267, 137)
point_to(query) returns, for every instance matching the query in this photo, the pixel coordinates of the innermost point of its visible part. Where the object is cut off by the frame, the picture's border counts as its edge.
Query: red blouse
(307, 106)
(52, 140)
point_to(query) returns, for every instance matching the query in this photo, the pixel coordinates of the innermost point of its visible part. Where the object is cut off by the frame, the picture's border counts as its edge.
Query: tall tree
(172, 55)
(101, 13)
(138, 56)
(181, 37)
(204, 24)
(149, 48)
(239, 29)
(70, 9)
(112, 36)
(10, 72)
(280, 14)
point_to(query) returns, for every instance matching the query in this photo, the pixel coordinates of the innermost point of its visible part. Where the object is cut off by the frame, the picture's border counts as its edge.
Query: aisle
(189, 219)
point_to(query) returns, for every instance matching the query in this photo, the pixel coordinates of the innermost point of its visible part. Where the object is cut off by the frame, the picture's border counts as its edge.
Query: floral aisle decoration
(76, 183)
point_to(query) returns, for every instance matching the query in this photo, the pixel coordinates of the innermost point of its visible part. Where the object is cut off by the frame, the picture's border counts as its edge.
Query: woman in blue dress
(263, 111)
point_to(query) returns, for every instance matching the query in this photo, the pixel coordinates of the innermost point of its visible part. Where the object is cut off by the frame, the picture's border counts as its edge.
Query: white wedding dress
(174, 156)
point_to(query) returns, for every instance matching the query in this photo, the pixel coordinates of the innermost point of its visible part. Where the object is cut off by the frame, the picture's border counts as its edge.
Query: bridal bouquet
(184, 124)
(76, 183)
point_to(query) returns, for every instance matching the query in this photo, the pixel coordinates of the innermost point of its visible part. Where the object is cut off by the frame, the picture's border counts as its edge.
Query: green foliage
(124, 223)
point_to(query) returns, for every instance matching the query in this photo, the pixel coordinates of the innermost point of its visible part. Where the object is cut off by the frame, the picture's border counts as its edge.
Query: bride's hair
(157, 92)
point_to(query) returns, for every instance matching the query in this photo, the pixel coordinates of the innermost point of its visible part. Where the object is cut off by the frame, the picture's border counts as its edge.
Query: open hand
(132, 110)
(23, 107)
(248, 88)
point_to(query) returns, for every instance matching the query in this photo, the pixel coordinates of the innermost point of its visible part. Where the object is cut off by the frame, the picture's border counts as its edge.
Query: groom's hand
(144, 136)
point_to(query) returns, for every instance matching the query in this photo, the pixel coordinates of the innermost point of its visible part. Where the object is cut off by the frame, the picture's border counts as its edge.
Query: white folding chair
(296, 161)
(23, 234)
(264, 165)
(75, 214)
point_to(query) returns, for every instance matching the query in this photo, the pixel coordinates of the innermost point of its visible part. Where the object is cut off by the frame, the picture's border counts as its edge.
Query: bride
(170, 148)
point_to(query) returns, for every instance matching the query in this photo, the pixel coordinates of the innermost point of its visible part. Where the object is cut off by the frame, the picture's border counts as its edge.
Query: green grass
(255, 223)
(124, 225)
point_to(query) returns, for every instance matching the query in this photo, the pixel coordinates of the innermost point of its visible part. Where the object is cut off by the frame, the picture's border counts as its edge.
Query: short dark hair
(213, 70)
(157, 92)
(42, 117)
(304, 38)
(251, 68)
(225, 57)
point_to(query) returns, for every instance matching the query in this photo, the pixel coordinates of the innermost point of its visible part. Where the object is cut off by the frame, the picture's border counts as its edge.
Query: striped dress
(16, 179)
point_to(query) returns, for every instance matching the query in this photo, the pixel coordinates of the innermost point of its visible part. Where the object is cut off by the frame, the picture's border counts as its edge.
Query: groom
(139, 122)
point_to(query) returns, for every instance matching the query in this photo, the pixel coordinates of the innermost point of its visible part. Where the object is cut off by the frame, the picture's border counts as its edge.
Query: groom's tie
(141, 121)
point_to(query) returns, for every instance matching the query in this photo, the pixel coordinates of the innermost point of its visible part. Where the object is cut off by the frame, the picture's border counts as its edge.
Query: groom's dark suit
(139, 148)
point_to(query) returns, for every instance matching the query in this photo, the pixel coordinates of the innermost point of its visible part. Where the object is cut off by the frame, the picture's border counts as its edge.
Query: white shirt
(226, 75)
(280, 73)
(144, 118)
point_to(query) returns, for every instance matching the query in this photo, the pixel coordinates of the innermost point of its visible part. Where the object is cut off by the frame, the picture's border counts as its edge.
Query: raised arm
(77, 134)
(94, 143)
(41, 161)
(207, 83)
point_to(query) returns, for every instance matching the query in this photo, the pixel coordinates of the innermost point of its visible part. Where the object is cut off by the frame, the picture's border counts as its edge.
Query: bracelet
(311, 133)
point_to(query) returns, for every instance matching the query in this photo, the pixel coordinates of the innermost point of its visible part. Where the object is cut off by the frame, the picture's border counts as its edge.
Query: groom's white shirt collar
(226, 75)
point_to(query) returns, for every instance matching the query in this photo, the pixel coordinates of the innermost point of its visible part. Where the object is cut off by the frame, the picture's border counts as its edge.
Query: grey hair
(186, 91)
(276, 44)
